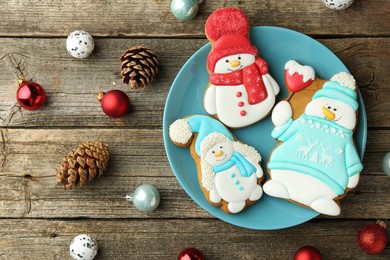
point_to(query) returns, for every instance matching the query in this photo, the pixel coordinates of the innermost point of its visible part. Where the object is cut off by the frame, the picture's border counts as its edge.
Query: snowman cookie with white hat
(241, 91)
(229, 171)
(316, 161)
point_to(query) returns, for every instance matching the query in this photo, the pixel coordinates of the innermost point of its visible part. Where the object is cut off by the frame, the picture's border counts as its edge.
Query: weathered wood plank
(154, 239)
(37, 152)
(28, 188)
(71, 84)
(154, 18)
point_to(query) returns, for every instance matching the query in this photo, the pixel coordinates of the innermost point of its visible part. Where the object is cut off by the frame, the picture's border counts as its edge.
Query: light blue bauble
(145, 198)
(386, 164)
(184, 10)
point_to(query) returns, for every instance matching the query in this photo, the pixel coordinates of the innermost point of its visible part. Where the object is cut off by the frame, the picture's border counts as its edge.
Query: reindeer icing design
(303, 151)
(316, 161)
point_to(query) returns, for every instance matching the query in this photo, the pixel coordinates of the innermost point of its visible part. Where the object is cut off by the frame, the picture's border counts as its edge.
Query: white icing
(248, 152)
(345, 79)
(227, 110)
(219, 153)
(344, 114)
(233, 62)
(211, 140)
(180, 131)
(281, 113)
(301, 188)
(214, 196)
(353, 181)
(227, 188)
(273, 82)
(208, 180)
(209, 100)
(236, 207)
(229, 184)
(306, 71)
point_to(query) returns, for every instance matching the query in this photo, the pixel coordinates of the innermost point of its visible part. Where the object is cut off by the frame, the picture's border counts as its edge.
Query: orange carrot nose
(219, 153)
(328, 114)
(235, 63)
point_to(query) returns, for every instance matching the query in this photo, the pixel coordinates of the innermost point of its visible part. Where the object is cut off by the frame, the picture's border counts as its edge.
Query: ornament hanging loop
(130, 197)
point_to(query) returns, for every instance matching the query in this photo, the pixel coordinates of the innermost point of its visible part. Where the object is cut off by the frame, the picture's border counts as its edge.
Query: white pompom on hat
(342, 87)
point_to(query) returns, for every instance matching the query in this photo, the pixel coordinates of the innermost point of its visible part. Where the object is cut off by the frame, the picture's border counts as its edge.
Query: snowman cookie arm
(214, 196)
(281, 117)
(267, 78)
(253, 156)
(281, 114)
(354, 166)
(210, 99)
(259, 171)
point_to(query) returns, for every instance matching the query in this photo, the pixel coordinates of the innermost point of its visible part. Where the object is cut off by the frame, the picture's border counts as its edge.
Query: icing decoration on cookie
(317, 161)
(241, 90)
(298, 77)
(228, 170)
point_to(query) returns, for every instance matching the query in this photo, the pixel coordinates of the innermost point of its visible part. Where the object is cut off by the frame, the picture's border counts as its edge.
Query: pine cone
(83, 164)
(139, 67)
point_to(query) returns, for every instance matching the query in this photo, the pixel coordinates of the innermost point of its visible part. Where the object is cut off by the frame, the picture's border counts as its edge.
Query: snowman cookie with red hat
(241, 91)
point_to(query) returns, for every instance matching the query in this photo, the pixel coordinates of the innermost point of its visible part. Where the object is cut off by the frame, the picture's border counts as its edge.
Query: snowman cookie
(241, 91)
(316, 161)
(229, 173)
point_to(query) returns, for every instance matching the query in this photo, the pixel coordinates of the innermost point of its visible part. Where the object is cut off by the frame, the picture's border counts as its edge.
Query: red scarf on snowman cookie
(250, 76)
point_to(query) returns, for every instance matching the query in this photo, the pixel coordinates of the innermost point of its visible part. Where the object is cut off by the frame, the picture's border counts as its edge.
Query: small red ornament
(190, 254)
(115, 103)
(372, 238)
(30, 95)
(307, 253)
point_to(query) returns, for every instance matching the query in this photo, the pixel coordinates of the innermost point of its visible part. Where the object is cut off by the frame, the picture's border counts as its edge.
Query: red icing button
(238, 94)
(240, 104)
(243, 112)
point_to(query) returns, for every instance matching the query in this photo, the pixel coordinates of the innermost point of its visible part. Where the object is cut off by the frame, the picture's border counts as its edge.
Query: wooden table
(38, 219)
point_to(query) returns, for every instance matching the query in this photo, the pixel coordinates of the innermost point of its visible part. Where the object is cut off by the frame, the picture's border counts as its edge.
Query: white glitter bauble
(83, 247)
(80, 44)
(337, 4)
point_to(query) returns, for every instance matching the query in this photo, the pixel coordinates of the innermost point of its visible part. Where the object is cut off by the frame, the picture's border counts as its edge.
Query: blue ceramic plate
(277, 46)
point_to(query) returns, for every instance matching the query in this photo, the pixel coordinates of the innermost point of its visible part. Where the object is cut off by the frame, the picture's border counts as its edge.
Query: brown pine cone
(139, 67)
(83, 164)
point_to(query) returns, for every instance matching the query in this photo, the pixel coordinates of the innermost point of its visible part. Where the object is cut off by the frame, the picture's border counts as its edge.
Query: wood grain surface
(38, 219)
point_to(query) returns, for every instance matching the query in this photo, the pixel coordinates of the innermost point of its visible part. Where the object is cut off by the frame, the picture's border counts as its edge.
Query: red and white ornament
(307, 253)
(372, 238)
(190, 254)
(30, 95)
(115, 103)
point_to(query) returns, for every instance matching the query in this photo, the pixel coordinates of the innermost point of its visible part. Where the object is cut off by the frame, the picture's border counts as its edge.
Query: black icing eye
(221, 147)
(334, 109)
(213, 151)
(329, 107)
(227, 61)
(239, 58)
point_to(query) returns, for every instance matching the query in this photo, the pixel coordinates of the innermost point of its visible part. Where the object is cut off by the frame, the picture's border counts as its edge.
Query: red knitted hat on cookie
(228, 29)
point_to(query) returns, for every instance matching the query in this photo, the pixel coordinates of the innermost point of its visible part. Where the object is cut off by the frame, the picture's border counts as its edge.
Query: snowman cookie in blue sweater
(229, 173)
(316, 161)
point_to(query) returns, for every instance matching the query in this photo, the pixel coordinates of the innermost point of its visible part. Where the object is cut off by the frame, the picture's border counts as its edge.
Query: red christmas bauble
(372, 238)
(307, 253)
(30, 95)
(115, 103)
(190, 254)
